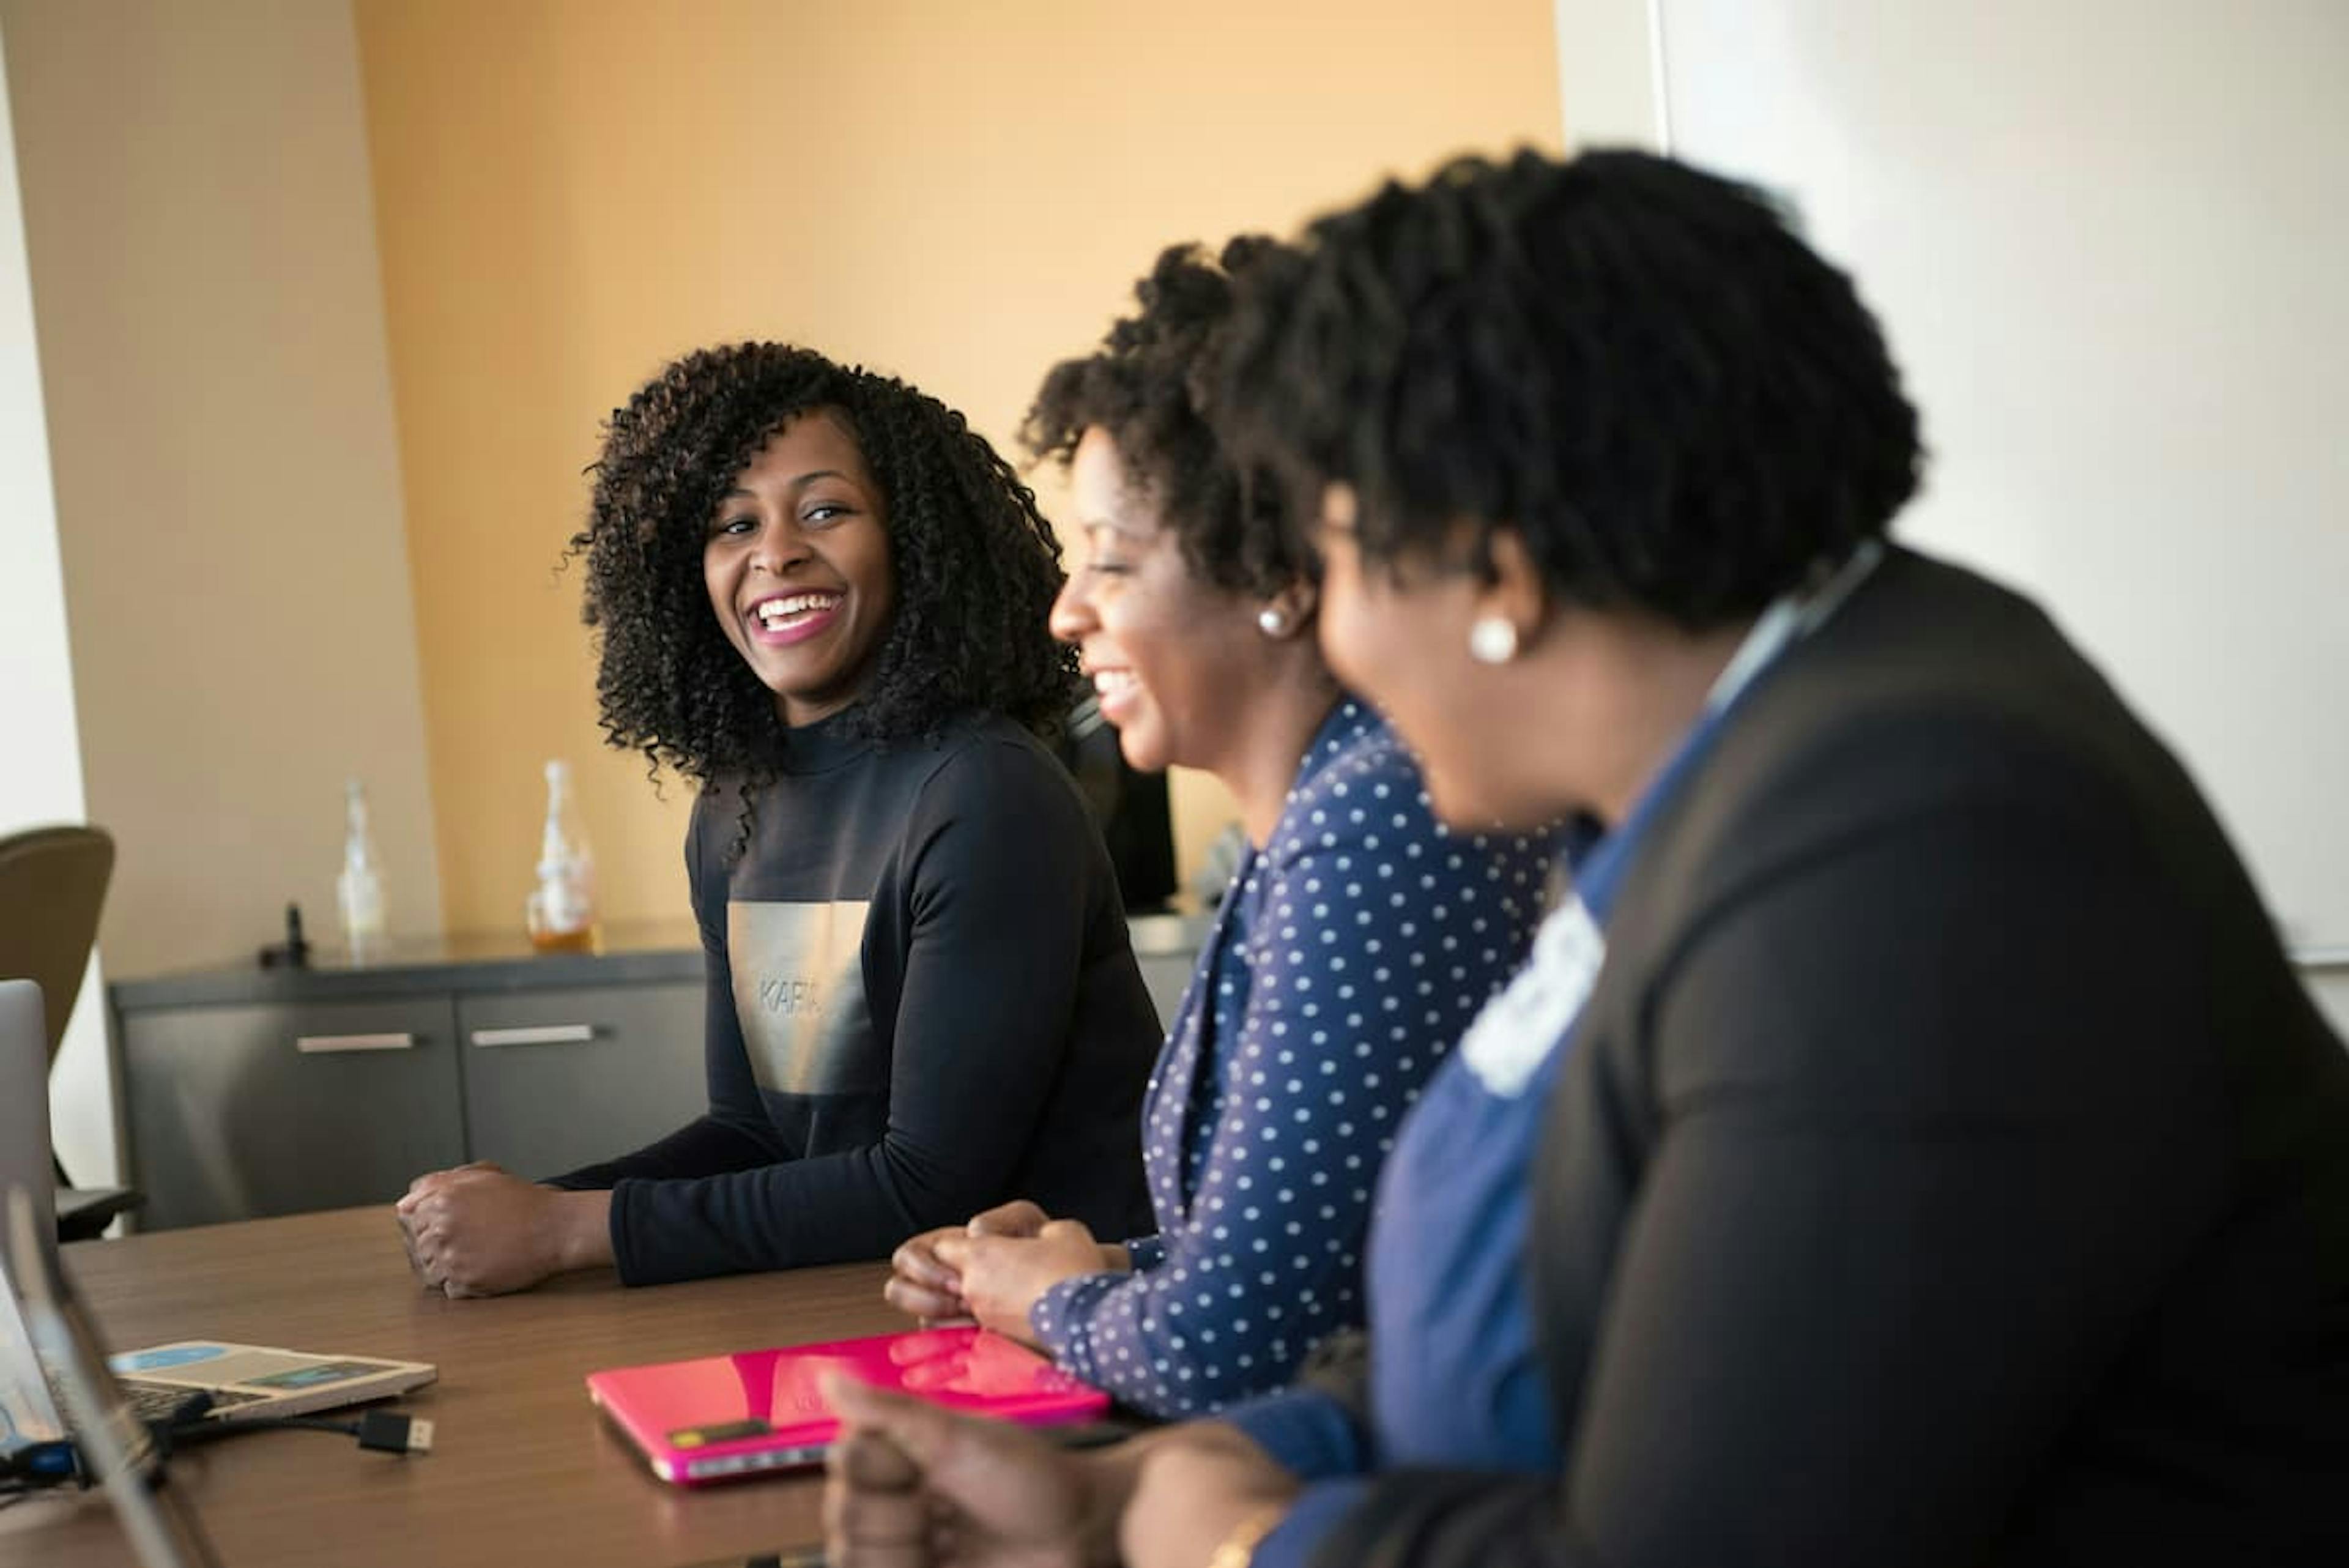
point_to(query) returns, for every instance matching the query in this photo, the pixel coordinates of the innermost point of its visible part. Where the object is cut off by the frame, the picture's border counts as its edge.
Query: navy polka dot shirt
(1347, 957)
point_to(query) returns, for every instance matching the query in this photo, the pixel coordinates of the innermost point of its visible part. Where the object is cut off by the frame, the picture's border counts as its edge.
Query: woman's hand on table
(1000, 1278)
(920, 1285)
(909, 1483)
(923, 1285)
(478, 1231)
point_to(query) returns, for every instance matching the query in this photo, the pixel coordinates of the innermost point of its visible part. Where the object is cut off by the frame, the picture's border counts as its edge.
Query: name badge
(1518, 1029)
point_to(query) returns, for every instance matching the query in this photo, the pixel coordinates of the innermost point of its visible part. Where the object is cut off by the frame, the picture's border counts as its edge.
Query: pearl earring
(1492, 639)
(1271, 622)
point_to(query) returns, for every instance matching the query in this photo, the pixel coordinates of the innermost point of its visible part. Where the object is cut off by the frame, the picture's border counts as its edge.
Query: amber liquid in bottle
(582, 940)
(560, 913)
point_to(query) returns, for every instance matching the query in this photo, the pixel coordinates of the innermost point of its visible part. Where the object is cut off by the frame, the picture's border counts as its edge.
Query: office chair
(52, 887)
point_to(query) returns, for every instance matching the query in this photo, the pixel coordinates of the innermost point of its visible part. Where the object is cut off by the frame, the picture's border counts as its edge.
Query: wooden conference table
(523, 1469)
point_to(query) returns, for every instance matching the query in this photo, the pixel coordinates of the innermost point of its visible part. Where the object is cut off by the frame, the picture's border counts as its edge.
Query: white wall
(1609, 75)
(40, 779)
(2108, 240)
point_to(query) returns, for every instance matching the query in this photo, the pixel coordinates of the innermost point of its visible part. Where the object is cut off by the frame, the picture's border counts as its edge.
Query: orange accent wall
(570, 191)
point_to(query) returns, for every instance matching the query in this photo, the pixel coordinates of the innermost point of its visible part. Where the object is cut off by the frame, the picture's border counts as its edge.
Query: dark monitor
(1130, 806)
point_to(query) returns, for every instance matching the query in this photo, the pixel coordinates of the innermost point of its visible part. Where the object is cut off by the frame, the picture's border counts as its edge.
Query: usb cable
(384, 1431)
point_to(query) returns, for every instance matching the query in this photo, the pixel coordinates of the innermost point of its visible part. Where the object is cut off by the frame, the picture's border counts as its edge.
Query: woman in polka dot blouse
(1357, 940)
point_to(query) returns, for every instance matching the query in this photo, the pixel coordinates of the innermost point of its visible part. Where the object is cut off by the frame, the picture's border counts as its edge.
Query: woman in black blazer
(1944, 1164)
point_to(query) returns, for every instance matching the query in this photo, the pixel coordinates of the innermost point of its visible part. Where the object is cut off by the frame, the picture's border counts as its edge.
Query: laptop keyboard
(162, 1401)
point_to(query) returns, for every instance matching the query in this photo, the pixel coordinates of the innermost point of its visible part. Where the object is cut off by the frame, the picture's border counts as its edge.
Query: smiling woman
(1907, 1142)
(821, 599)
(1301, 1041)
(797, 564)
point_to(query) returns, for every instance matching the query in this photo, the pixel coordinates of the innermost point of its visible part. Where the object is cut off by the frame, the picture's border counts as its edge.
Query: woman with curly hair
(1298, 1047)
(822, 597)
(1910, 1144)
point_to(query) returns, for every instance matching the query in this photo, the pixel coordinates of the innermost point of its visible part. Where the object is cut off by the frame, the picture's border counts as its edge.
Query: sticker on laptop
(165, 1358)
(721, 1432)
(314, 1375)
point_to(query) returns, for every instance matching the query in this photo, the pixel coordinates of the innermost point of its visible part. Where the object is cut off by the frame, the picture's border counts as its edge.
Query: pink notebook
(729, 1416)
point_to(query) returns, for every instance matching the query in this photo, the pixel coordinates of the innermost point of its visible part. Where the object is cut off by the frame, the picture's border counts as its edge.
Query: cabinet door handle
(541, 1034)
(331, 1044)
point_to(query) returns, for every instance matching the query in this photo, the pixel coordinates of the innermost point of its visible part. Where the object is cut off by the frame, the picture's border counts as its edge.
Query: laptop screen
(27, 1413)
(117, 1450)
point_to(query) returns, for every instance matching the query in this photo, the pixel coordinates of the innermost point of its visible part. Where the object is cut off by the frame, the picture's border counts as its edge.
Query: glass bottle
(358, 891)
(562, 907)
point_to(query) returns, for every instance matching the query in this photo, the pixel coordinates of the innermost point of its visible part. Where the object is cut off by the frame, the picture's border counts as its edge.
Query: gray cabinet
(1167, 947)
(558, 1079)
(254, 1092)
(1166, 975)
(237, 1112)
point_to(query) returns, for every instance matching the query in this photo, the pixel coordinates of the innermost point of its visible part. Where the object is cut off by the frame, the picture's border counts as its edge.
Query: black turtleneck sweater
(922, 1002)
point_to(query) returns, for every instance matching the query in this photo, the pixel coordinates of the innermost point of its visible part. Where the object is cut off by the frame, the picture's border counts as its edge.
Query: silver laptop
(242, 1381)
(116, 1449)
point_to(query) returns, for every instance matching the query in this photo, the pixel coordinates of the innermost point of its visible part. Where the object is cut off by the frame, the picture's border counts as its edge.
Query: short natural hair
(1679, 406)
(1150, 386)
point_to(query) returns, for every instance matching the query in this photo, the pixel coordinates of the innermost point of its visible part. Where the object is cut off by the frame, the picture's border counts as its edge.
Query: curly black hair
(1149, 386)
(1677, 405)
(976, 566)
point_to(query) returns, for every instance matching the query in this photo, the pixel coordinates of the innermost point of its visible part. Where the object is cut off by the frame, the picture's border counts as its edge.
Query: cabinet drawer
(239, 1112)
(558, 1079)
(1167, 976)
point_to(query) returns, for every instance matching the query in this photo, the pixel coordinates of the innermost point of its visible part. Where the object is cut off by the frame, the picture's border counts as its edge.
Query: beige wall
(41, 781)
(202, 240)
(570, 193)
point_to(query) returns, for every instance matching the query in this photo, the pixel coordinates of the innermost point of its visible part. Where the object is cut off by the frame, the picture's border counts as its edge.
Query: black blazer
(1951, 1169)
